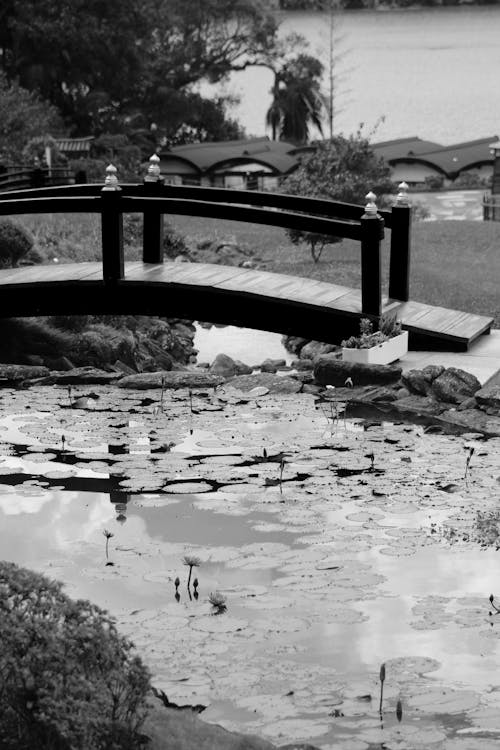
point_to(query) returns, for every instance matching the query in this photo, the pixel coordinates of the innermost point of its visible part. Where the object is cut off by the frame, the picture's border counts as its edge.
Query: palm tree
(297, 101)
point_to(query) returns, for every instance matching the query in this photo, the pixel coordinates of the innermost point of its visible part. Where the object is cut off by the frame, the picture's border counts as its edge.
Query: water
(429, 72)
(244, 344)
(327, 574)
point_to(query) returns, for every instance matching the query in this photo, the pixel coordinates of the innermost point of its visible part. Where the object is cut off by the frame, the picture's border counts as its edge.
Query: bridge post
(399, 263)
(372, 232)
(152, 237)
(113, 266)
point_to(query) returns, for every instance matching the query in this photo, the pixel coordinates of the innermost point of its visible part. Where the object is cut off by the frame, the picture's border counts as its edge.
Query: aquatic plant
(218, 602)
(468, 460)
(282, 467)
(195, 584)
(192, 562)
(68, 679)
(399, 710)
(108, 535)
(497, 610)
(177, 583)
(382, 680)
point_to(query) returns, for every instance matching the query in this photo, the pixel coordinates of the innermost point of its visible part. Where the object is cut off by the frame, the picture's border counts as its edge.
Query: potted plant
(380, 347)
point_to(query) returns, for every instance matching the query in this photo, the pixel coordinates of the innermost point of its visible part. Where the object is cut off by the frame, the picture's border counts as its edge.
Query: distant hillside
(362, 4)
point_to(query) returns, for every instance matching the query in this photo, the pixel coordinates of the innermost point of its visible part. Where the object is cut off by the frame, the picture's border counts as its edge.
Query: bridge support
(372, 233)
(113, 265)
(399, 264)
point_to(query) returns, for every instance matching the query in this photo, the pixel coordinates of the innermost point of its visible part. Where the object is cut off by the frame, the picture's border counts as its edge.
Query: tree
(101, 62)
(23, 116)
(341, 169)
(297, 102)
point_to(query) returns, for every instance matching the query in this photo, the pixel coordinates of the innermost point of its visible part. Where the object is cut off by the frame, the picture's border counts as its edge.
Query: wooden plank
(436, 320)
(46, 273)
(471, 328)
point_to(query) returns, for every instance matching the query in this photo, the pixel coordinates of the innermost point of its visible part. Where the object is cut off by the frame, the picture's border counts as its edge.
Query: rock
(227, 366)
(84, 376)
(294, 344)
(424, 405)
(368, 394)
(431, 372)
(272, 365)
(329, 370)
(489, 396)
(475, 420)
(415, 382)
(171, 379)
(275, 383)
(302, 364)
(454, 385)
(314, 349)
(120, 366)
(420, 381)
(18, 373)
(309, 388)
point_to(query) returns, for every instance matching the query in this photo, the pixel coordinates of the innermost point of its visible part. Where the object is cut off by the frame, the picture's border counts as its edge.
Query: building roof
(208, 156)
(74, 145)
(396, 149)
(447, 159)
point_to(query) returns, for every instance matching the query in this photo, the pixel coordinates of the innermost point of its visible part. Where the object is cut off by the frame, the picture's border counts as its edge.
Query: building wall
(410, 172)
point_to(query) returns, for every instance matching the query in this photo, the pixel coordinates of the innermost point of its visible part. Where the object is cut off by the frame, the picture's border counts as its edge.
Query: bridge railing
(23, 179)
(154, 199)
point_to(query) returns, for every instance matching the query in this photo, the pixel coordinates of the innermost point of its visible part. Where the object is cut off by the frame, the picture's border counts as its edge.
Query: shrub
(15, 242)
(68, 680)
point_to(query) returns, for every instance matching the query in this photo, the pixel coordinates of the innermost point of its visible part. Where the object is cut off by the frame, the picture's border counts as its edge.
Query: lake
(429, 72)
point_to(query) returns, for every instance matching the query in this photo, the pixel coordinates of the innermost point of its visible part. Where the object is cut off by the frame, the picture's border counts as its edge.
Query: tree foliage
(297, 102)
(67, 678)
(104, 64)
(23, 116)
(342, 169)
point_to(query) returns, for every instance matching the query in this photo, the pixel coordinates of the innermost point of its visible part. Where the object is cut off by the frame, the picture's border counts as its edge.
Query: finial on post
(371, 206)
(402, 196)
(111, 180)
(153, 174)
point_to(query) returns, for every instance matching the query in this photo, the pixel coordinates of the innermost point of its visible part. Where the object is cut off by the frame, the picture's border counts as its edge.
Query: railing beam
(372, 233)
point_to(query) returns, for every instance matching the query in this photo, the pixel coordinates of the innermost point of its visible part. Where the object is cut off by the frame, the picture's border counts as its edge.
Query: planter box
(383, 354)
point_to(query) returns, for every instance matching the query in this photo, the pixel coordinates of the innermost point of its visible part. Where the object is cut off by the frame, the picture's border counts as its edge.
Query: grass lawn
(455, 264)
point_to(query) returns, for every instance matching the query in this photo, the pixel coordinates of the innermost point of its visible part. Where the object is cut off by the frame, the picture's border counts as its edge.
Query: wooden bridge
(227, 294)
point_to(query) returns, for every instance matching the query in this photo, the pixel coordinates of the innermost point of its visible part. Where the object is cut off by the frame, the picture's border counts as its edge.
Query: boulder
(272, 365)
(227, 366)
(474, 420)
(274, 383)
(84, 376)
(302, 364)
(171, 379)
(489, 397)
(420, 405)
(368, 394)
(420, 381)
(454, 385)
(415, 382)
(329, 370)
(314, 349)
(18, 373)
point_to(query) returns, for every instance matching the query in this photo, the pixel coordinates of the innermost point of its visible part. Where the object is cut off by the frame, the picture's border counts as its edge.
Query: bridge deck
(225, 294)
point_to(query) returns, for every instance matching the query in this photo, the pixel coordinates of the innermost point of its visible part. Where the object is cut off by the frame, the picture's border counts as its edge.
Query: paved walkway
(482, 359)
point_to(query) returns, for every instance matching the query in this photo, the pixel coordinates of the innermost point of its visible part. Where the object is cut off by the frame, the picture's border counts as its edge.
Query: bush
(15, 243)
(68, 680)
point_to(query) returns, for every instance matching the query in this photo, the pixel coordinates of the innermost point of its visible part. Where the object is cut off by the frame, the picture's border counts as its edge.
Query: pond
(333, 545)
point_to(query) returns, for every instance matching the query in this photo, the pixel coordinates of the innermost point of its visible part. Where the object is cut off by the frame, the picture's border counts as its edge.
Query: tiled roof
(74, 145)
(448, 159)
(207, 156)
